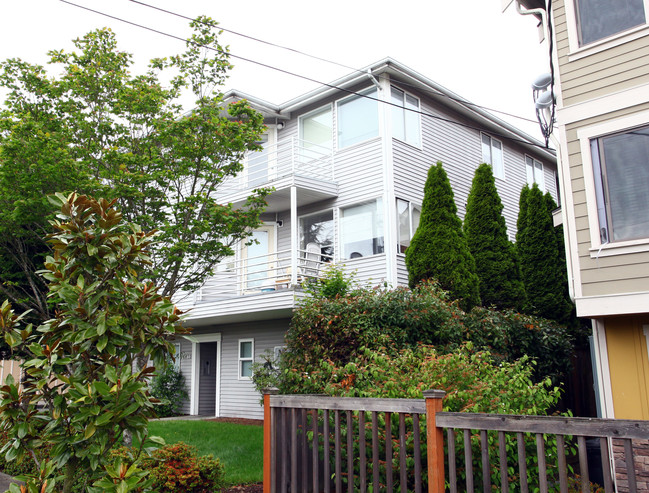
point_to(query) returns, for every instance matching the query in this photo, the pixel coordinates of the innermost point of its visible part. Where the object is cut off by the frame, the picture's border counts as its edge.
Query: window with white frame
(492, 154)
(534, 172)
(246, 357)
(406, 119)
(316, 130)
(599, 19)
(361, 229)
(408, 216)
(357, 118)
(177, 355)
(318, 228)
(621, 175)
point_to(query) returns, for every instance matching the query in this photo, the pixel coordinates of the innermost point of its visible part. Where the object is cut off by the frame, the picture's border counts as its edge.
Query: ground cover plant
(239, 447)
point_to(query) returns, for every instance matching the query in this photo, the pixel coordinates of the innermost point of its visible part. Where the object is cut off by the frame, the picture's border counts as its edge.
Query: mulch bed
(245, 488)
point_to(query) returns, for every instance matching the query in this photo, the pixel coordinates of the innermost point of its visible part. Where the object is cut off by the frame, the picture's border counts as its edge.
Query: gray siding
(185, 359)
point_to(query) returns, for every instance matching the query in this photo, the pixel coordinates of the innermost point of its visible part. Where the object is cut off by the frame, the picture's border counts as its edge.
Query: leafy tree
(438, 248)
(486, 235)
(97, 129)
(80, 392)
(542, 259)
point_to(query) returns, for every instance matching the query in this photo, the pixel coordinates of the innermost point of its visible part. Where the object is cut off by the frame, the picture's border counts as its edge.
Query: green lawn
(239, 447)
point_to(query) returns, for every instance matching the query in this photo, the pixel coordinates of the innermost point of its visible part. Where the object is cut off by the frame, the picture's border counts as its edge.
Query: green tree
(542, 258)
(80, 391)
(438, 248)
(97, 129)
(486, 235)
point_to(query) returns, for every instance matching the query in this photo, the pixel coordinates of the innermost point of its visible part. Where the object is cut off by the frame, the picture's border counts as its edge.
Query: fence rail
(317, 443)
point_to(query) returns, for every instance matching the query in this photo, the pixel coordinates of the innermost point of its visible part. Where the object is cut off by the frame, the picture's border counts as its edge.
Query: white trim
(251, 340)
(620, 248)
(502, 151)
(390, 106)
(585, 135)
(604, 104)
(603, 369)
(612, 304)
(389, 216)
(534, 162)
(195, 374)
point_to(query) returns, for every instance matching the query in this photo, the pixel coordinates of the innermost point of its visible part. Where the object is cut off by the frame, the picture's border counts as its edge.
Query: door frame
(271, 228)
(196, 340)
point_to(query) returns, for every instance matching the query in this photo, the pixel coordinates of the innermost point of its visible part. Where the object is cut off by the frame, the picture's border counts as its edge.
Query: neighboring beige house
(601, 76)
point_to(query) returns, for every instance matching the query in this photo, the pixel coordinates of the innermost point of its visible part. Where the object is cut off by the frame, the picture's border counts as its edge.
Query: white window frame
(301, 118)
(411, 206)
(577, 52)
(404, 111)
(177, 347)
(242, 359)
(585, 135)
(533, 164)
(491, 147)
(341, 237)
(333, 220)
(359, 94)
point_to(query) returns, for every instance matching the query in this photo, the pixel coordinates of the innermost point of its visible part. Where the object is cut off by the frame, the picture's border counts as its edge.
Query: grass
(239, 447)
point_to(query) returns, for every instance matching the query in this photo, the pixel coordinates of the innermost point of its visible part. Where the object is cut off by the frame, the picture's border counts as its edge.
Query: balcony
(291, 163)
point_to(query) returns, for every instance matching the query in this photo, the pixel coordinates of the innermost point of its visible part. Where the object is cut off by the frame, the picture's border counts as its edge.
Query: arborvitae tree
(486, 235)
(438, 248)
(542, 262)
(522, 215)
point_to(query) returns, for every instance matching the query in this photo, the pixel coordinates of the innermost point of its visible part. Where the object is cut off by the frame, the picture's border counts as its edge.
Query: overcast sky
(468, 46)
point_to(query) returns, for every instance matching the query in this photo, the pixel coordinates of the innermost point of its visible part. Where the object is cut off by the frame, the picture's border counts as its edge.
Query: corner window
(599, 19)
(621, 169)
(316, 130)
(408, 218)
(246, 357)
(361, 229)
(358, 119)
(492, 154)
(318, 229)
(534, 172)
(406, 121)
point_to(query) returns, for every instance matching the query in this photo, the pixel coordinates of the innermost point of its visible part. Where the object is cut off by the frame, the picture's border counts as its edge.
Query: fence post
(268, 441)
(435, 441)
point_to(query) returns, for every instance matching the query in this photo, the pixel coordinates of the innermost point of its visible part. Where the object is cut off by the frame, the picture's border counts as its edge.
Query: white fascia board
(612, 304)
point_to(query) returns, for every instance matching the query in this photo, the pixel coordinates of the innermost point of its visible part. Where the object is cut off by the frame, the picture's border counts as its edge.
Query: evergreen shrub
(168, 385)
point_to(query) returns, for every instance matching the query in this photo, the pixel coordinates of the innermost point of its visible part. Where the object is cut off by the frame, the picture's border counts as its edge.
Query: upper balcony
(289, 163)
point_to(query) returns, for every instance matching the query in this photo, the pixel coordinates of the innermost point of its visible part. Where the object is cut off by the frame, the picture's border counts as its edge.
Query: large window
(621, 168)
(246, 357)
(319, 229)
(408, 216)
(358, 119)
(316, 129)
(361, 229)
(406, 119)
(492, 153)
(534, 171)
(598, 19)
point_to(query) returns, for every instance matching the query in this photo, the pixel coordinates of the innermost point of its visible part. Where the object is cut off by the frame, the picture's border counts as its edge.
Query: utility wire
(325, 84)
(315, 57)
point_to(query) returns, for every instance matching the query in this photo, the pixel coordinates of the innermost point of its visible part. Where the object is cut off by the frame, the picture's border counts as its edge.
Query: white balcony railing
(289, 158)
(262, 274)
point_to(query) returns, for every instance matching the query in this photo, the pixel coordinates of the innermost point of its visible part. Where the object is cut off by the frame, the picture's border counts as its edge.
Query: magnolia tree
(80, 390)
(97, 129)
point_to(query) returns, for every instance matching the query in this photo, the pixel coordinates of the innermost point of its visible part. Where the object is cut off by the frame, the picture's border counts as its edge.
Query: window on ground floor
(361, 229)
(621, 169)
(246, 357)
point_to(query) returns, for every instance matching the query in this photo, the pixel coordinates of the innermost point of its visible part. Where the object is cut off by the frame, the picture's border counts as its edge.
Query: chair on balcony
(310, 263)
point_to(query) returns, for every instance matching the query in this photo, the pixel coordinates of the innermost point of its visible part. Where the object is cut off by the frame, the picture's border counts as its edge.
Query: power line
(315, 57)
(325, 84)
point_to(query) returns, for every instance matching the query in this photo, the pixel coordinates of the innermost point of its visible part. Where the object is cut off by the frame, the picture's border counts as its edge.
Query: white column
(294, 237)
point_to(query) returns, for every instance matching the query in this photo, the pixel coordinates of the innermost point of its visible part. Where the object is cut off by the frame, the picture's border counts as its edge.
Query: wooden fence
(316, 443)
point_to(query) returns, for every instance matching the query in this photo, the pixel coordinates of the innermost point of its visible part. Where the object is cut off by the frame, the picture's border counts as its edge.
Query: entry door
(258, 260)
(207, 379)
(261, 164)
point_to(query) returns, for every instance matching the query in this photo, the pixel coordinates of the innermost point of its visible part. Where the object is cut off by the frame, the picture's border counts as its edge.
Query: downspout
(541, 12)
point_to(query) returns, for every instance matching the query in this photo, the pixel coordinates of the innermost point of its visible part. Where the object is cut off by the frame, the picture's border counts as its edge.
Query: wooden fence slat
(388, 451)
(403, 471)
(338, 453)
(416, 431)
(522, 462)
(583, 464)
(468, 461)
(293, 435)
(315, 452)
(350, 452)
(375, 451)
(630, 466)
(484, 447)
(361, 451)
(606, 465)
(502, 456)
(349, 403)
(540, 454)
(561, 464)
(284, 450)
(303, 450)
(452, 468)
(327, 451)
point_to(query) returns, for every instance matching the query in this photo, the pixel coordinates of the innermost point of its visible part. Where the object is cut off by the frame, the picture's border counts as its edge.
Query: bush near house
(168, 385)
